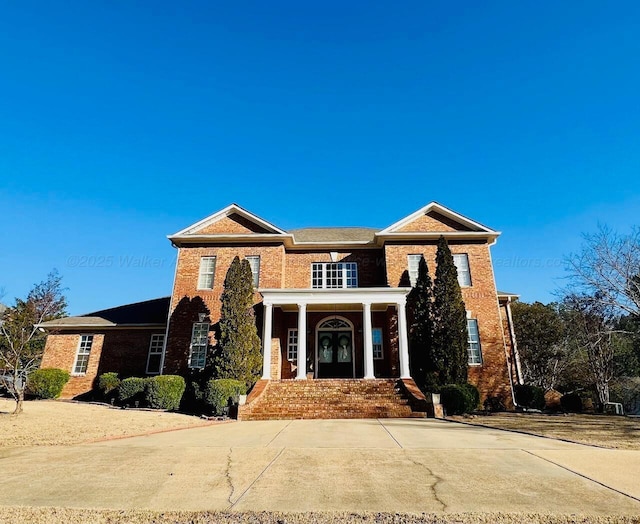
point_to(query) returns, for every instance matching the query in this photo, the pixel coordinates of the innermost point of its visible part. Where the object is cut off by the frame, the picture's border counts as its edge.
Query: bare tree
(593, 329)
(607, 270)
(21, 342)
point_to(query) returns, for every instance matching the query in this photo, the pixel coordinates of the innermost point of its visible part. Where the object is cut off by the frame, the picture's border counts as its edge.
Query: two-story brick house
(330, 302)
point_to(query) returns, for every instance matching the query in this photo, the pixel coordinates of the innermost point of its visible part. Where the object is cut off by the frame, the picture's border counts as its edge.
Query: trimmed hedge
(572, 403)
(47, 382)
(131, 389)
(108, 383)
(530, 397)
(165, 391)
(219, 391)
(456, 399)
(474, 394)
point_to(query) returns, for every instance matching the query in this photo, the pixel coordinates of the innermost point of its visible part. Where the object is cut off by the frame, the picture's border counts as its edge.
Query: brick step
(329, 399)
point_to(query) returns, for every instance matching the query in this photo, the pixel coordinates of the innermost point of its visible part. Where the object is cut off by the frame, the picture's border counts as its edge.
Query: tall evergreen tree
(420, 304)
(450, 320)
(239, 354)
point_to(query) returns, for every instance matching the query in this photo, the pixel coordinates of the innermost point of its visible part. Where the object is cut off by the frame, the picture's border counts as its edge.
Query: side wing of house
(127, 340)
(470, 243)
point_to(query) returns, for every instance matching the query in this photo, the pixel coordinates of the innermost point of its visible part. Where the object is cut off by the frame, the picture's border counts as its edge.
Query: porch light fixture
(201, 317)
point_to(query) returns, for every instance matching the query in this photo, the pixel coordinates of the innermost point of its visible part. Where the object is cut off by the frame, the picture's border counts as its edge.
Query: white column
(302, 342)
(368, 342)
(266, 341)
(403, 342)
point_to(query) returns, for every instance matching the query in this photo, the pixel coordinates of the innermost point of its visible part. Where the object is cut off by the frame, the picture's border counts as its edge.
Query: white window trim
(256, 274)
(75, 373)
(469, 341)
(467, 272)
(411, 257)
(155, 337)
(205, 345)
(342, 267)
(381, 357)
(291, 345)
(201, 273)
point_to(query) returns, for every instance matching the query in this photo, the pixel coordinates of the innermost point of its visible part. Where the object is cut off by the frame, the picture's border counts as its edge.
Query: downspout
(514, 344)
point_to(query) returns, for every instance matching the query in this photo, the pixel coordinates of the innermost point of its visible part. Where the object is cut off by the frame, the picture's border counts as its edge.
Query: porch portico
(364, 300)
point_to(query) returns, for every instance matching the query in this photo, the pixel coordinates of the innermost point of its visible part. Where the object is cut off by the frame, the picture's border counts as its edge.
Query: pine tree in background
(239, 354)
(450, 320)
(420, 304)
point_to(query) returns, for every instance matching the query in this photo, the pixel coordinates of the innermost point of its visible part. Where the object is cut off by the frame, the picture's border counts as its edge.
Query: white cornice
(372, 295)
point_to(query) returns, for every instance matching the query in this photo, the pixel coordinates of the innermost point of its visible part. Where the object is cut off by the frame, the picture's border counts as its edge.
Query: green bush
(474, 394)
(131, 389)
(47, 382)
(165, 391)
(456, 399)
(219, 391)
(571, 402)
(108, 383)
(529, 397)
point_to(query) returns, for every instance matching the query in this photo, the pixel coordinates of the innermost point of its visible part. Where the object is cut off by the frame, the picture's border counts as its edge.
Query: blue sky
(122, 122)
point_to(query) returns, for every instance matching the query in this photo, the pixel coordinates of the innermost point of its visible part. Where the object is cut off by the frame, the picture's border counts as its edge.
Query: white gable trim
(445, 211)
(223, 213)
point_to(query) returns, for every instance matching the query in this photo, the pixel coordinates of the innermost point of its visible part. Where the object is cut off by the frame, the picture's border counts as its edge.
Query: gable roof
(464, 221)
(148, 313)
(231, 209)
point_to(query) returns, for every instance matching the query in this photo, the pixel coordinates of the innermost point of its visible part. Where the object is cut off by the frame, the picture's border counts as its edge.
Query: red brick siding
(371, 271)
(432, 222)
(232, 224)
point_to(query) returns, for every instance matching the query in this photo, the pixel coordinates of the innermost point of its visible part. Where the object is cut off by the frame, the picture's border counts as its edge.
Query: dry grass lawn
(10, 515)
(596, 430)
(51, 423)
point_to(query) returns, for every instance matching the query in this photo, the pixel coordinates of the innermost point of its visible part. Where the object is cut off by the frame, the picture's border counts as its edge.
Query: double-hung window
(461, 262)
(199, 343)
(378, 353)
(334, 275)
(155, 354)
(473, 342)
(206, 273)
(82, 355)
(292, 344)
(254, 262)
(413, 264)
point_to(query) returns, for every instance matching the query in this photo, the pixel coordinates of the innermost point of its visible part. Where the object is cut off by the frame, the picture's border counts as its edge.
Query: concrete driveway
(390, 465)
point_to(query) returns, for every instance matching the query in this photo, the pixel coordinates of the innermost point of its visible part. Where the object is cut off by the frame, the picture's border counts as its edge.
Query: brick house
(329, 302)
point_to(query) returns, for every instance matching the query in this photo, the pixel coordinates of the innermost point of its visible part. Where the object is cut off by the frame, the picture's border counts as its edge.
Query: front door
(335, 354)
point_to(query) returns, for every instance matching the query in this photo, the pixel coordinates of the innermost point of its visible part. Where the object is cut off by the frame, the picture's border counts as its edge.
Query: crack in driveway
(432, 487)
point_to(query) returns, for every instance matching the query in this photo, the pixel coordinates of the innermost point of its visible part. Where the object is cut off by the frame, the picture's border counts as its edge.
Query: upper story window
(207, 270)
(82, 356)
(413, 263)
(461, 262)
(473, 342)
(254, 262)
(334, 275)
